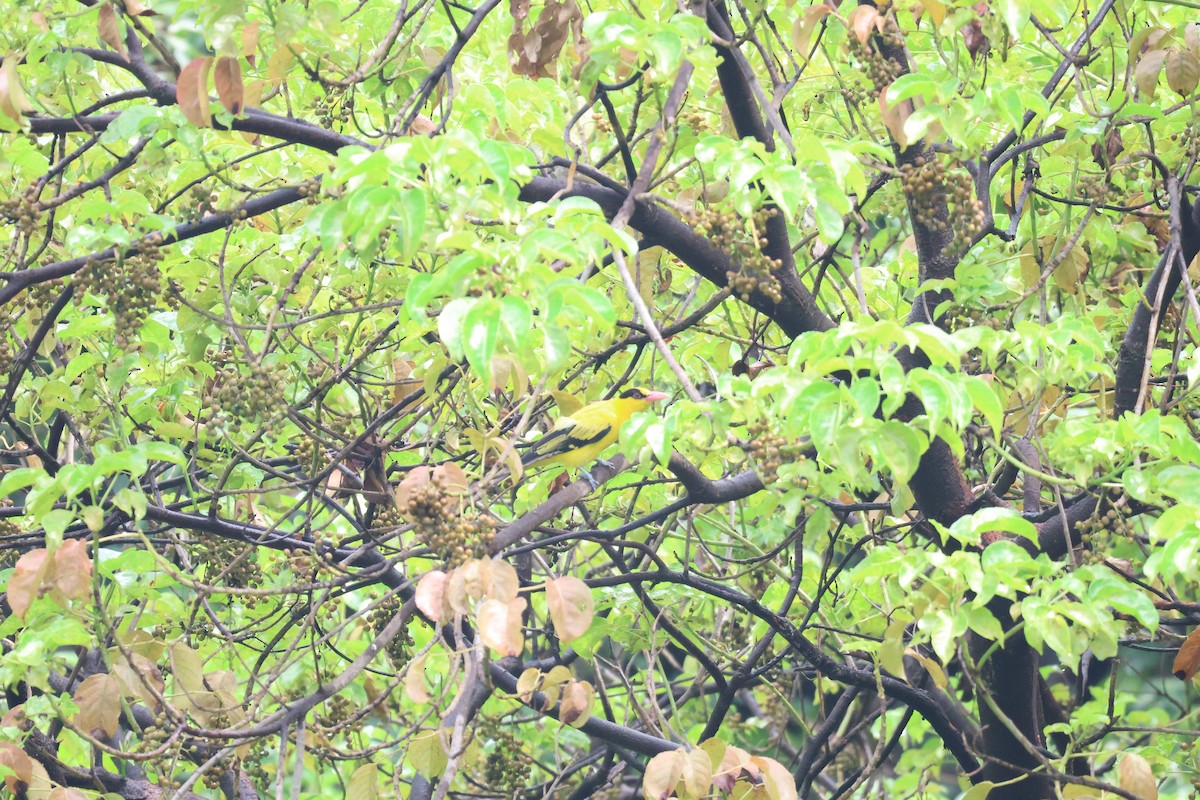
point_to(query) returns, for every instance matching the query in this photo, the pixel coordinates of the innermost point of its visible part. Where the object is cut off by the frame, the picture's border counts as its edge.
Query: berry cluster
(130, 283)
(387, 519)
(214, 773)
(1094, 188)
(203, 202)
(324, 108)
(400, 648)
(24, 212)
(309, 455)
(756, 271)
(239, 397)
(930, 188)
(506, 768)
(968, 211)
(879, 68)
(923, 181)
(441, 521)
(224, 557)
(337, 711)
(154, 734)
(1100, 532)
(695, 119)
(8, 353)
(769, 450)
(310, 190)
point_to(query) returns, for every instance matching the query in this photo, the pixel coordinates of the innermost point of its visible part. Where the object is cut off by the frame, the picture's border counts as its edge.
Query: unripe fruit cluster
(769, 450)
(400, 647)
(239, 398)
(506, 768)
(222, 557)
(24, 212)
(442, 523)
(879, 68)
(130, 283)
(1100, 532)
(324, 108)
(968, 211)
(728, 231)
(923, 180)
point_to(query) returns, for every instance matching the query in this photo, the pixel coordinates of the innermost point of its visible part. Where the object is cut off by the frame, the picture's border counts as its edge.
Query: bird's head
(640, 396)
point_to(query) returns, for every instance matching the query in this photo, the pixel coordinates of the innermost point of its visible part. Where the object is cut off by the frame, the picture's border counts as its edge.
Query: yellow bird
(580, 438)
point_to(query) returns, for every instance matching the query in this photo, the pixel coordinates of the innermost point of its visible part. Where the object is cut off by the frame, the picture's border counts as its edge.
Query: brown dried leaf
(571, 607)
(73, 569)
(415, 480)
(1146, 72)
(499, 626)
(134, 8)
(894, 117)
(780, 783)
(422, 126)
(1187, 660)
(431, 595)
(576, 705)
(250, 42)
(862, 22)
(552, 683)
(99, 700)
(110, 30)
(804, 26)
(1135, 776)
(25, 585)
(21, 765)
(452, 478)
(65, 793)
(973, 38)
(227, 76)
(936, 11)
(662, 774)
(1140, 40)
(140, 680)
(697, 774)
(474, 574)
(403, 383)
(733, 762)
(414, 682)
(503, 583)
(13, 102)
(1071, 270)
(15, 718)
(1183, 71)
(254, 93)
(528, 683)
(191, 92)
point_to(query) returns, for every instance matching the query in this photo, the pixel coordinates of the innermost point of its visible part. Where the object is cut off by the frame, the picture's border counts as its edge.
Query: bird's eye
(636, 394)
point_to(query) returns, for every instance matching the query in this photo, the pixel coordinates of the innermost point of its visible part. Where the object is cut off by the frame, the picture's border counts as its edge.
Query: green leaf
(426, 754)
(479, 334)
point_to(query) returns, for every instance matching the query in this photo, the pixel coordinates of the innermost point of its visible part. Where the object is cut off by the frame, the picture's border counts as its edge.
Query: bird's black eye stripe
(635, 394)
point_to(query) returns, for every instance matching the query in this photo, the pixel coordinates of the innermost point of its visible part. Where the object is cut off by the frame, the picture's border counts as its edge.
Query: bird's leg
(587, 476)
(604, 462)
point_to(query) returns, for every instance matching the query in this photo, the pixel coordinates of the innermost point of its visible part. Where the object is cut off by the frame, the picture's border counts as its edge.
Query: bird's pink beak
(652, 397)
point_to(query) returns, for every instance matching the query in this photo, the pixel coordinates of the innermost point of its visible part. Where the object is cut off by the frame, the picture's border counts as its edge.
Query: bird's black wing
(561, 440)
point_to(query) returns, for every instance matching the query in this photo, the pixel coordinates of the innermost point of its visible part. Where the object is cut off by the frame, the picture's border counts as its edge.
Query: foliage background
(286, 286)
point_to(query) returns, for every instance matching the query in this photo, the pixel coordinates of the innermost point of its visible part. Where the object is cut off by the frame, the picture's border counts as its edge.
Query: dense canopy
(289, 287)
